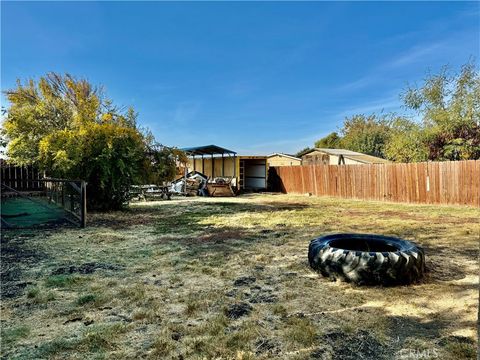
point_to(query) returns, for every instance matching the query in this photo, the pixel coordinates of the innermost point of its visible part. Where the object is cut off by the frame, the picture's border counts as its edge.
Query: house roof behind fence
(284, 155)
(352, 155)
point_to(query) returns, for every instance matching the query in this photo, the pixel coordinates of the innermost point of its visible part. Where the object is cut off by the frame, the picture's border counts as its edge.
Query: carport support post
(237, 182)
(223, 166)
(213, 167)
(234, 165)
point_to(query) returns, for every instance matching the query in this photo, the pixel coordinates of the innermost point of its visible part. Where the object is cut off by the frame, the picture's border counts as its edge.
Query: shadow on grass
(423, 336)
(414, 333)
(16, 254)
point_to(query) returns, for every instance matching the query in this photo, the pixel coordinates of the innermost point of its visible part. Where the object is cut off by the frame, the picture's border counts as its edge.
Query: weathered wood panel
(20, 178)
(449, 182)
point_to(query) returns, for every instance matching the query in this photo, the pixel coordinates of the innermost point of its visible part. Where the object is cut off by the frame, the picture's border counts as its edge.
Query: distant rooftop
(353, 155)
(337, 151)
(286, 155)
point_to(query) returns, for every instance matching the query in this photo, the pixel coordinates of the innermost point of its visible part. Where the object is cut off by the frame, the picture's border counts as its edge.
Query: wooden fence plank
(450, 182)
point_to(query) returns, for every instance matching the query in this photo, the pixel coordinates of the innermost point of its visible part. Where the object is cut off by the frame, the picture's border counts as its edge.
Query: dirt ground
(205, 278)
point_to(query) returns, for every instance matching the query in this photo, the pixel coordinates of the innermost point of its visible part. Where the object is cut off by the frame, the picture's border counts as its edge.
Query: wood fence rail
(28, 181)
(449, 182)
(21, 178)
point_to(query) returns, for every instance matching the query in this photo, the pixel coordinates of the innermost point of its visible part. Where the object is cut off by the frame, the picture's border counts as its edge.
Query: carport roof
(208, 150)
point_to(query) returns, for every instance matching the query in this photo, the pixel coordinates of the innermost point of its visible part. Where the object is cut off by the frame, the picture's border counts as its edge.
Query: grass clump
(102, 337)
(93, 299)
(194, 305)
(86, 299)
(12, 335)
(301, 330)
(40, 297)
(201, 347)
(96, 339)
(33, 292)
(163, 346)
(215, 326)
(134, 293)
(279, 310)
(54, 347)
(63, 281)
(146, 315)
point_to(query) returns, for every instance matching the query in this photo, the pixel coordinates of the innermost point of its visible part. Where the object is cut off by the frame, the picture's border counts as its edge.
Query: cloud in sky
(378, 105)
(415, 54)
(435, 40)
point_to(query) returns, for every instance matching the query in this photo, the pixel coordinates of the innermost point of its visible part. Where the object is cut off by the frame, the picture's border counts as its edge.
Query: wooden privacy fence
(28, 181)
(21, 178)
(449, 182)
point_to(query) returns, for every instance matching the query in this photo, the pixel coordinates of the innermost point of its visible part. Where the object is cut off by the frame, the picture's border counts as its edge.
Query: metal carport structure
(211, 151)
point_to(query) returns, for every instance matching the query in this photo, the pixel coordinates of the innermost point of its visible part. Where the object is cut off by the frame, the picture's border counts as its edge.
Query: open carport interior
(247, 172)
(253, 173)
(212, 161)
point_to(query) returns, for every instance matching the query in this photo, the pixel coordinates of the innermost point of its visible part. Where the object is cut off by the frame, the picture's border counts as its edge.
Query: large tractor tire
(367, 259)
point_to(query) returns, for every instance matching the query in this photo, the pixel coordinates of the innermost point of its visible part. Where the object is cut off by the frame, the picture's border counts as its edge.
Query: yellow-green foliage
(63, 125)
(109, 156)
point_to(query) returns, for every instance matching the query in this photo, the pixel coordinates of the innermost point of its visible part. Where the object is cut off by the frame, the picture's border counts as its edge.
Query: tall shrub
(68, 127)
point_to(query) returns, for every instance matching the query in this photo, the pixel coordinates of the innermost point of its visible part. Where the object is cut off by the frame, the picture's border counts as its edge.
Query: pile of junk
(195, 183)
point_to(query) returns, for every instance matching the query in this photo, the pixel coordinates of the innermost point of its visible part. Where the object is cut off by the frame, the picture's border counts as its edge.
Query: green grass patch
(33, 292)
(86, 299)
(95, 339)
(64, 281)
(39, 296)
(12, 335)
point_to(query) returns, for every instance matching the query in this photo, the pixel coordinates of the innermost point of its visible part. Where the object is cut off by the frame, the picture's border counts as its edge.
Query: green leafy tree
(302, 152)
(108, 156)
(163, 163)
(450, 109)
(67, 127)
(449, 129)
(366, 134)
(331, 141)
(407, 142)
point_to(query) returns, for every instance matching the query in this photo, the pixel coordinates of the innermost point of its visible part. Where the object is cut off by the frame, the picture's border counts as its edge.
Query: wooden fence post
(303, 180)
(84, 204)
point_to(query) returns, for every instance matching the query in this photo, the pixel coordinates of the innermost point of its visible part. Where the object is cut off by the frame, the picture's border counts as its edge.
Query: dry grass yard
(206, 278)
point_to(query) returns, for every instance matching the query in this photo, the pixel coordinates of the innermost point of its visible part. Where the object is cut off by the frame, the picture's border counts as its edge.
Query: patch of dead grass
(177, 261)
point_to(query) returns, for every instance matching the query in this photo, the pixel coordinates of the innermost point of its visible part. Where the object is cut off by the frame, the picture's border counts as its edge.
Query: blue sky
(253, 77)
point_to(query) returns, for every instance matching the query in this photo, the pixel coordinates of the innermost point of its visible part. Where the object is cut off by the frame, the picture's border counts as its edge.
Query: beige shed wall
(315, 158)
(228, 166)
(282, 161)
(352, 162)
(333, 160)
